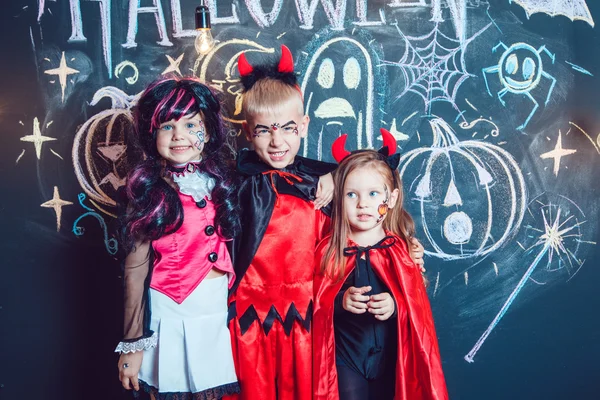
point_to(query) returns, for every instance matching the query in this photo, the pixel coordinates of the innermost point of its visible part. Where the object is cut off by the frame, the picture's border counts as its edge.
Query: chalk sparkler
(551, 242)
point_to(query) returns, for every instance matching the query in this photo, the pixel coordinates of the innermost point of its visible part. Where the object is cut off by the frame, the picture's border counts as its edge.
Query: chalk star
(558, 153)
(62, 71)
(37, 138)
(57, 203)
(173, 64)
(396, 133)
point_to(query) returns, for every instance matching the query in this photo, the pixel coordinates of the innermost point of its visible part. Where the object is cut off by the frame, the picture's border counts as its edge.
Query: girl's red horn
(338, 149)
(388, 140)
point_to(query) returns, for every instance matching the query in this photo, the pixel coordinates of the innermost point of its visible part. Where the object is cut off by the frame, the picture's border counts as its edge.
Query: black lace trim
(216, 393)
(248, 318)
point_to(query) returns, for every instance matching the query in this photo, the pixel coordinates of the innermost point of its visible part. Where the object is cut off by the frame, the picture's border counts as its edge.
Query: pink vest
(184, 258)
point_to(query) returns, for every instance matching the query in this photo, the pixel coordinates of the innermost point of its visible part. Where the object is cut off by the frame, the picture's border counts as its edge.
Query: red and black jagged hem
(250, 315)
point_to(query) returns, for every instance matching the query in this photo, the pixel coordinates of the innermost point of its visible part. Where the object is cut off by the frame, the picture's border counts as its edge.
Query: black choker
(190, 167)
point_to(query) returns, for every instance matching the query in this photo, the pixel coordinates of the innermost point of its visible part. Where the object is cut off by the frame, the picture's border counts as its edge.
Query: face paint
(291, 126)
(200, 134)
(383, 207)
(275, 126)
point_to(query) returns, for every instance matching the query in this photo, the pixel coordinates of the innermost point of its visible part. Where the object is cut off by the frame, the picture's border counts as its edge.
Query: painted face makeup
(200, 134)
(367, 202)
(181, 141)
(383, 208)
(287, 128)
(277, 147)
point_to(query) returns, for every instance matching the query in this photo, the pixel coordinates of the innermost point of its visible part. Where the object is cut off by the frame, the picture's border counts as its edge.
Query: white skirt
(194, 346)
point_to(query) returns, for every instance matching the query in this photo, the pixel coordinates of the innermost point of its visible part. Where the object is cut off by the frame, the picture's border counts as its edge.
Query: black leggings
(354, 386)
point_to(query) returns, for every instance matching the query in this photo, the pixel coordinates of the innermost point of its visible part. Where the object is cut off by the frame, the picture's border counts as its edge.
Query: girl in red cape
(373, 331)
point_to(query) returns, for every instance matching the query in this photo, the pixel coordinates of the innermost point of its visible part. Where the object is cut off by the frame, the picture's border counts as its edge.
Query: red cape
(419, 374)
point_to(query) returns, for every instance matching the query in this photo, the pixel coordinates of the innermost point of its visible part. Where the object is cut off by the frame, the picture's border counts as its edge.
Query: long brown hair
(397, 220)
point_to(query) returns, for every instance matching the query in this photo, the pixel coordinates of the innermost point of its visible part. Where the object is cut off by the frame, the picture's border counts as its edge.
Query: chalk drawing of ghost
(339, 81)
(468, 197)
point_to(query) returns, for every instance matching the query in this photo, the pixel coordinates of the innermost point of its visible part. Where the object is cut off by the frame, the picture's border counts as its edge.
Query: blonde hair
(397, 220)
(270, 96)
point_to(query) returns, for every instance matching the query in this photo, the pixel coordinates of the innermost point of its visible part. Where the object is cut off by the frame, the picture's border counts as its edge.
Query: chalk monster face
(338, 83)
(520, 68)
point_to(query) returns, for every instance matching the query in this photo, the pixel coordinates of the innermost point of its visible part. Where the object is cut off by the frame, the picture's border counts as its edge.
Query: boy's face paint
(276, 138)
(181, 141)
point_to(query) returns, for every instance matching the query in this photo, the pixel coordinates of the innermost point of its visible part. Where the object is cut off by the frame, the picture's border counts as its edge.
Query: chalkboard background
(505, 195)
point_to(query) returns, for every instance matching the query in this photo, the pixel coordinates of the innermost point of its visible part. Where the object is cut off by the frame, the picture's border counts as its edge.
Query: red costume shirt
(271, 301)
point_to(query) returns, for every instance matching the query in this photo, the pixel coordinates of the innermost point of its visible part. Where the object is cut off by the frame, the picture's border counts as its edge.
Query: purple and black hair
(153, 206)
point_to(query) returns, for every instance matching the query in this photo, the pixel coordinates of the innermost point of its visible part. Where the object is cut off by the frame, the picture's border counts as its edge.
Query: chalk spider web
(433, 66)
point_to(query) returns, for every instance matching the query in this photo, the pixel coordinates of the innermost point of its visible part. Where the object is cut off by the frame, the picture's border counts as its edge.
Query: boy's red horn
(286, 62)
(388, 140)
(244, 66)
(338, 149)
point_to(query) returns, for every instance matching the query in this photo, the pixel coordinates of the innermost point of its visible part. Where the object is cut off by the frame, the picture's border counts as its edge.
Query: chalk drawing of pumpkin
(101, 157)
(468, 198)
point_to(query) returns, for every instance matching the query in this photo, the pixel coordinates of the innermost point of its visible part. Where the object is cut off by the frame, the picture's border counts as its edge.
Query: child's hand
(354, 299)
(382, 306)
(417, 251)
(324, 191)
(129, 375)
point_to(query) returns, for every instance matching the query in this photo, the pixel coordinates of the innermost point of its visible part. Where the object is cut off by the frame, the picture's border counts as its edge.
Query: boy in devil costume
(271, 300)
(372, 325)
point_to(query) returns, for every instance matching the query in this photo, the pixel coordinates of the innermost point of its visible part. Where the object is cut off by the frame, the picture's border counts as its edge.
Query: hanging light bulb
(204, 40)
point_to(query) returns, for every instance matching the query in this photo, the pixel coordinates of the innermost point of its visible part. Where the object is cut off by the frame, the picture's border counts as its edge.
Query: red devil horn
(244, 66)
(286, 62)
(388, 140)
(338, 149)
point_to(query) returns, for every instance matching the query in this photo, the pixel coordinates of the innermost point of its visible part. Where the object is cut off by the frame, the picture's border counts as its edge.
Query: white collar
(196, 184)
